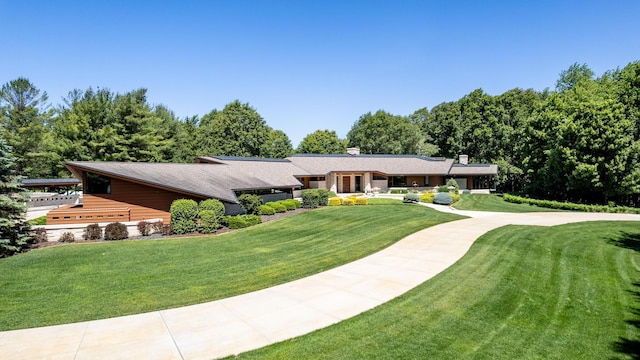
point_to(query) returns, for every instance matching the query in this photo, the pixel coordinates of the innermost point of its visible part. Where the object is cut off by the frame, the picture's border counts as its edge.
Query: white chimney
(353, 151)
(464, 159)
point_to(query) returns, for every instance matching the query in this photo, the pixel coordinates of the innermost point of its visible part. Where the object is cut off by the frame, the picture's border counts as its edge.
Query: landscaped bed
(521, 292)
(90, 281)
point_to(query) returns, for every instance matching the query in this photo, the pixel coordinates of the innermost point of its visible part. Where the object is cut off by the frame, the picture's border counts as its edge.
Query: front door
(358, 182)
(346, 184)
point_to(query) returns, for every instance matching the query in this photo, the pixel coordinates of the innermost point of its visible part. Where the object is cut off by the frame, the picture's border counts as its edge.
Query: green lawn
(482, 202)
(567, 292)
(90, 281)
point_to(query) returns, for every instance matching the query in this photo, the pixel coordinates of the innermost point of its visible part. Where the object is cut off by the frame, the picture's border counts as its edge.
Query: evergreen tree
(14, 232)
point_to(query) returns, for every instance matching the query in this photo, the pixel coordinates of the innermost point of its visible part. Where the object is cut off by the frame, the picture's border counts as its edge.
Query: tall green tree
(14, 231)
(237, 130)
(322, 142)
(573, 75)
(277, 145)
(24, 122)
(384, 133)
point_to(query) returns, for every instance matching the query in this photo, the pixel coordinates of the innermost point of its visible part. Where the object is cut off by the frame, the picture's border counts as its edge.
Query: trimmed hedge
(348, 201)
(287, 204)
(250, 203)
(323, 197)
(411, 198)
(443, 189)
(209, 221)
(183, 216)
(362, 201)
(293, 202)
(212, 204)
(570, 206)
(427, 197)
(443, 198)
(279, 208)
(242, 221)
(335, 201)
(310, 198)
(266, 210)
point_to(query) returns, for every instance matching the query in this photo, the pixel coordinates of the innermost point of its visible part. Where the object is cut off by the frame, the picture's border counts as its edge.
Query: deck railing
(78, 215)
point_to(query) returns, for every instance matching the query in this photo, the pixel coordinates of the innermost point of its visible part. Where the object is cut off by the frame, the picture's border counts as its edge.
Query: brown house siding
(143, 202)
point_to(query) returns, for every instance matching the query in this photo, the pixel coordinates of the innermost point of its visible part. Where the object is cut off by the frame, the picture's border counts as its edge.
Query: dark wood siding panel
(145, 202)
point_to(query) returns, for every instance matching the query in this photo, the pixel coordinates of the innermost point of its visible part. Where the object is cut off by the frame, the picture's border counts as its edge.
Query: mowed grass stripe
(91, 281)
(566, 292)
(485, 202)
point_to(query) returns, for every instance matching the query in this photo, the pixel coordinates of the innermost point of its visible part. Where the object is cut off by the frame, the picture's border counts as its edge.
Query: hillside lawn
(485, 202)
(521, 292)
(78, 282)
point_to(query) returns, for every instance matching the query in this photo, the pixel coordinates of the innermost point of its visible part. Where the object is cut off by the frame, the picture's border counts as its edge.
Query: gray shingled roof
(212, 181)
(473, 169)
(387, 164)
(222, 175)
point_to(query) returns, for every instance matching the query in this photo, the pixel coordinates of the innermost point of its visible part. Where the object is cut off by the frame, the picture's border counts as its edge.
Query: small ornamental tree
(454, 183)
(250, 203)
(14, 230)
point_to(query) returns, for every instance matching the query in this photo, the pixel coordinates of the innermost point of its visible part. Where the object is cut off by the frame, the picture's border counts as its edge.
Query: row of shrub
(560, 205)
(280, 206)
(351, 200)
(187, 216)
(442, 198)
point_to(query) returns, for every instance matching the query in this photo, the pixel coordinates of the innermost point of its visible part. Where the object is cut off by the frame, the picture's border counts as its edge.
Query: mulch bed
(223, 230)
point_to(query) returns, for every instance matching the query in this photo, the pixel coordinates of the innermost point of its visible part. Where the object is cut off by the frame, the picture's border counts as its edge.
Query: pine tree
(14, 231)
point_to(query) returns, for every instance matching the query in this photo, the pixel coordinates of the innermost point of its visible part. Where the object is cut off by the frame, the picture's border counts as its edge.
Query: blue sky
(308, 65)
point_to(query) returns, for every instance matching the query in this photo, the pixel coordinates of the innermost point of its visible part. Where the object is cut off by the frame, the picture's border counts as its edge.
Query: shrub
(427, 197)
(454, 183)
(181, 227)
(279, 208)
(144, 228)
(39, 235)
(266, 210)
(332, 194)
(456, 197)
(250, 203)
(208, 221)
(288, 205)
(362, 201)
(92, 232)
(443, 189)
(293, 202)
(443, 198)
(183, 216)
(323, 197)
(116, 231)
(411, 198)
(157, 227)
(466, 191)
(167, 229)
(310, 198)
(42, 220)
(335, 201)
(212, 204)
(242, 221)
(348, 201)
(399, 191)
(67, 237)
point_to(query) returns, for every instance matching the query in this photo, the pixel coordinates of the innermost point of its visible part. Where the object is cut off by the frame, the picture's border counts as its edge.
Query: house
(118, 191)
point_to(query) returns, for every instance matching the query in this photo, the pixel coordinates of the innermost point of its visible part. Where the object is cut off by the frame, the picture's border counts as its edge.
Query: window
(97, 184)
(397, 181)
(379, 177)
(317, 178)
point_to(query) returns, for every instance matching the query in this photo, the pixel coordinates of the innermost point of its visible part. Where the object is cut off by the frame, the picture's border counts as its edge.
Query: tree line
(579, 142)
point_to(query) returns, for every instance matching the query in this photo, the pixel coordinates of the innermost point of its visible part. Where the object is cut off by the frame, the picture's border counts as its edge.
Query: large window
(97, 184)
(397, 181)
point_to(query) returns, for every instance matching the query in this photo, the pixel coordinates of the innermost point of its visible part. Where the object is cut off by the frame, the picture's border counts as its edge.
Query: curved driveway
(253, 320)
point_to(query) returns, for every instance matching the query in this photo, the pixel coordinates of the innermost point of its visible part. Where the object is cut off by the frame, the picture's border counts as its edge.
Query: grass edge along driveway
(74, 283)
(562, 292)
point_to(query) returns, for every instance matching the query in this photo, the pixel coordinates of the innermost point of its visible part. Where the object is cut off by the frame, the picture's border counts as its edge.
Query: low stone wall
(55, 231)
